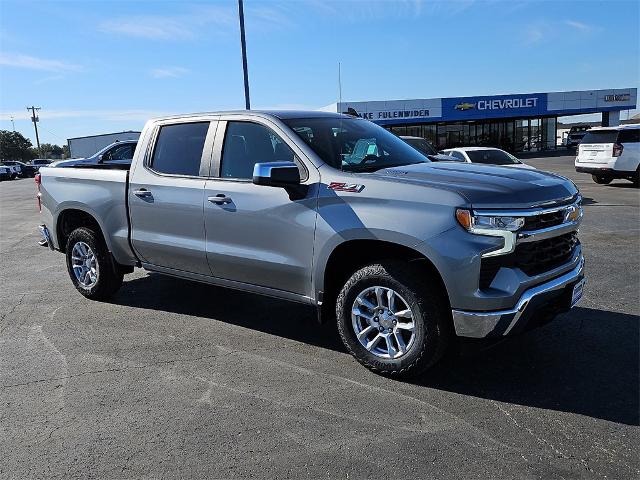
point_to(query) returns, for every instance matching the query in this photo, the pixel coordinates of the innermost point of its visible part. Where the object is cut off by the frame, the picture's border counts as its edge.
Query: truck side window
(246, 144)
(121, 152)
(178, 150)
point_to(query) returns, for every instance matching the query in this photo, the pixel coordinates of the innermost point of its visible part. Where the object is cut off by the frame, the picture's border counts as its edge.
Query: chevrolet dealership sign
(528, 105)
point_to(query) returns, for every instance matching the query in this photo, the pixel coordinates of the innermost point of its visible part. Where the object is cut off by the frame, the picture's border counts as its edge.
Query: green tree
(14, 146)
(48, 150)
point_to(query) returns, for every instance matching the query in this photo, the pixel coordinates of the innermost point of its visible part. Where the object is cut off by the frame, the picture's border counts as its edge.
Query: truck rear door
(166, 195)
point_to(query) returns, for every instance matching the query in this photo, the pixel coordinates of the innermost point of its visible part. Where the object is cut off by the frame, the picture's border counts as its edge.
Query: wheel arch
(350, 255)
(72, 218)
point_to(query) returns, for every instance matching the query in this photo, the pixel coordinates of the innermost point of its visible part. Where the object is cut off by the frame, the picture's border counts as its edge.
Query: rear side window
(601, 136)
(179, 147)
(629, 136)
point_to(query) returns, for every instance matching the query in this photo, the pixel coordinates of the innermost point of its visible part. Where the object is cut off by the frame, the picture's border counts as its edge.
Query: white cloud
(150, 27)
(197, 21)
(578, 25)
(168, 72)
(534, 34)
(35, 63)
(116, 115)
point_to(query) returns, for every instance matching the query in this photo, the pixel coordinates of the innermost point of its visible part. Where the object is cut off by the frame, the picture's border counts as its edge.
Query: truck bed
(100, 192)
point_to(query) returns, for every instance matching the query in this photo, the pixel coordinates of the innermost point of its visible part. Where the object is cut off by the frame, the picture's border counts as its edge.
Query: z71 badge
(345, 187)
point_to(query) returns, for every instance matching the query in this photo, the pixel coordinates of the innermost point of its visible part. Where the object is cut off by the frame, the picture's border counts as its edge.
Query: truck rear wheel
(601, 179)
(90, 266)
(391, 320)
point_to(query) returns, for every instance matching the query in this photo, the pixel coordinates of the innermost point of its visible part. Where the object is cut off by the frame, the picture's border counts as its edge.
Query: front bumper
(543, 301)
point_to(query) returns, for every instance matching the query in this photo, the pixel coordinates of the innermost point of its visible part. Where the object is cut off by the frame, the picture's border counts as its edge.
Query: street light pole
(35, 120)
(244, 56)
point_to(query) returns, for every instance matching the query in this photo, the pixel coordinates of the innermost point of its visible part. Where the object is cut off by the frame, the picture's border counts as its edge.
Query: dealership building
(516, 122)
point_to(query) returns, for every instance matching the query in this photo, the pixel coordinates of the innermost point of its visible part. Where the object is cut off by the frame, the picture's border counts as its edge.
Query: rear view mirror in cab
(276, 174)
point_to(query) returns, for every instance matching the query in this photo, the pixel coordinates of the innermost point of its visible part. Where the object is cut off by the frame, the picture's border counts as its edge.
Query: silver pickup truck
(332, 211)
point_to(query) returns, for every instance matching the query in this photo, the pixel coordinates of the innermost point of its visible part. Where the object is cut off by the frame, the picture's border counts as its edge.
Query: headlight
(485, 222)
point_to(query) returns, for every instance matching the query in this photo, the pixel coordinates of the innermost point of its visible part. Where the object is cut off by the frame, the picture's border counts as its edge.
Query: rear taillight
(617, 149)
(38, 195)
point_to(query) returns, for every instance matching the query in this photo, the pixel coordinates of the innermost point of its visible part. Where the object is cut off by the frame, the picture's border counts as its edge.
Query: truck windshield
(353, 144)
(422, 145)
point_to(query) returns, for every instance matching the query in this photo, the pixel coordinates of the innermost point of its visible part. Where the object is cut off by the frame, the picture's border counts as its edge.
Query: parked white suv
(610, 152)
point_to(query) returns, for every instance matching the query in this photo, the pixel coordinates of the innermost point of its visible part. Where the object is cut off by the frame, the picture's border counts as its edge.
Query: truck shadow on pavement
(585, 362)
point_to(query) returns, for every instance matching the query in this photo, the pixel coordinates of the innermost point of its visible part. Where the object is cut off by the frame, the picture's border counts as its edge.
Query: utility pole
(35, 120)
(13, 125)
(244, 56)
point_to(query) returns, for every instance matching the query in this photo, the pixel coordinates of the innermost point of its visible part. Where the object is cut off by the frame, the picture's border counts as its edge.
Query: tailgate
(595, 152)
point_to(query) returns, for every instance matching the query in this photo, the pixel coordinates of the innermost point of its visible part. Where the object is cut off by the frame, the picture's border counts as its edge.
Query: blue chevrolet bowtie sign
(497, 106)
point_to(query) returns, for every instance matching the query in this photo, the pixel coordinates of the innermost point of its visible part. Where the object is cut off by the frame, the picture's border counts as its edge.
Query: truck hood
(488, 186)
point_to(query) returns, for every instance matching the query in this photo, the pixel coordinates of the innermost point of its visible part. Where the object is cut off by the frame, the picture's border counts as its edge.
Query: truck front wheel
(392, 320)
(90, 266)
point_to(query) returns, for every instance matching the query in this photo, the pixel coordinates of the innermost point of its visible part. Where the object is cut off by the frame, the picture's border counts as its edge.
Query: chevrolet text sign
(495, 106)
(508, 103)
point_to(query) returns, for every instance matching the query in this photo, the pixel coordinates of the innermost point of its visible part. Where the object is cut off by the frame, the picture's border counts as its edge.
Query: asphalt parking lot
(178, 379)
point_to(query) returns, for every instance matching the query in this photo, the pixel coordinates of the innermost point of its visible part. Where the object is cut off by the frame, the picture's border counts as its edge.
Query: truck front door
(257, 234)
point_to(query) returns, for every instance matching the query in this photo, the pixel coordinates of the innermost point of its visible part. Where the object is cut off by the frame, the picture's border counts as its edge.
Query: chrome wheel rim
(85, 265)
(383, 322)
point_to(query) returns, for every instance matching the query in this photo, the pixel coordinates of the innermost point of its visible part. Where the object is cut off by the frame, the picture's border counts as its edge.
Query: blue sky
(96, 67)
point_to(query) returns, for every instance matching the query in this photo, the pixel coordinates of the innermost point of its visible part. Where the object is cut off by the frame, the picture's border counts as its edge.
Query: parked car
(26, 170)
(425, 147)
(40, 162)
(610, 152)
(5, 173)
(14, 170)
(116, 155)
(487, 155)
(575, 135)
(404, 253)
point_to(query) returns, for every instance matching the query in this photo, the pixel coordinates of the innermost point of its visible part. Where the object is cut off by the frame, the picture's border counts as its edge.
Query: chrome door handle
(142, 193)
(220, 199)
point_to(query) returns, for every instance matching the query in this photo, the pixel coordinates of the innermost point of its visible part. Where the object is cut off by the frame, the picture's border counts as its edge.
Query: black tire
(428, 304)
(601, 179)
(109, 277)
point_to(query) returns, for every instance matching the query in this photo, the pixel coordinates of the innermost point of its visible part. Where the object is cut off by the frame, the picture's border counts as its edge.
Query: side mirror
(276, 174)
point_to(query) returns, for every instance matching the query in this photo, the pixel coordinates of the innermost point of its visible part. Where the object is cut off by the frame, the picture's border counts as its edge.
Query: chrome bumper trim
(485, 324)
